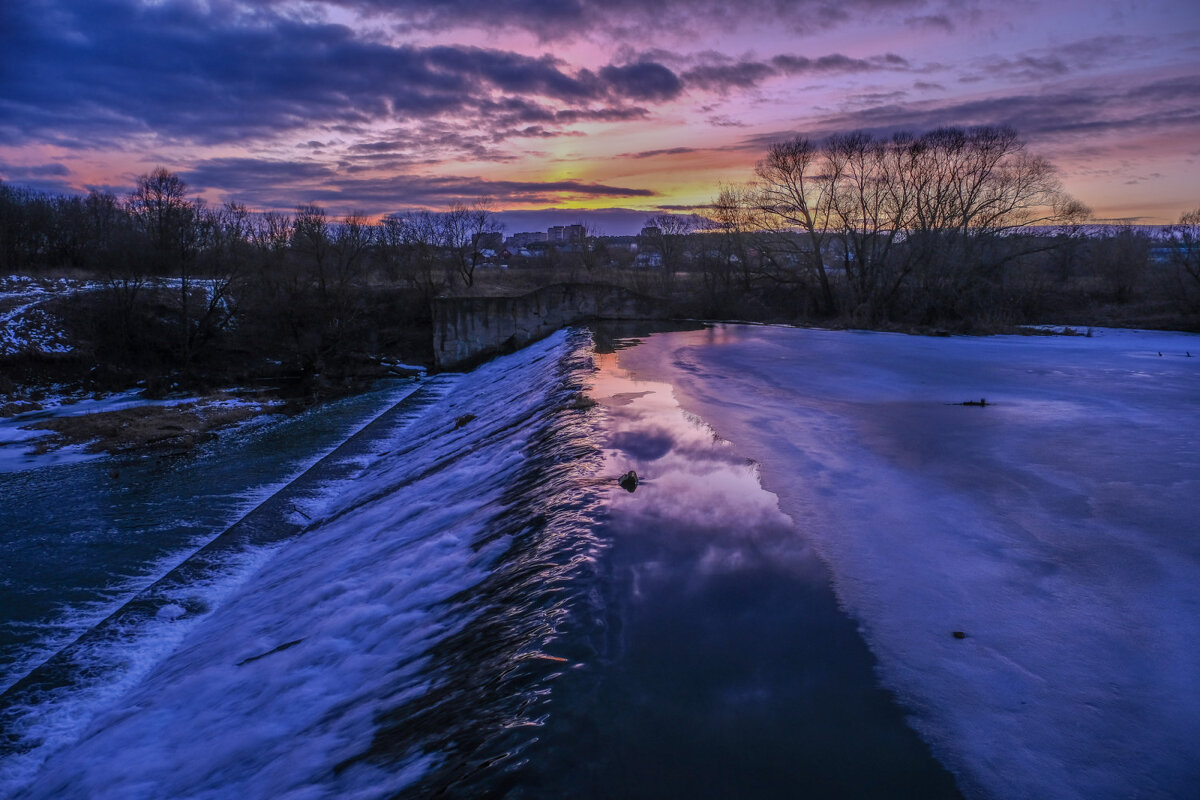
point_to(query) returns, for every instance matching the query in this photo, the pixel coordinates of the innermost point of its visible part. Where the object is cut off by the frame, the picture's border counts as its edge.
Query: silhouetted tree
(162, 212)
(794, 198)
(936, 211)
(462, 227)
(1122, 258)
(670, 238)
(1185, 244)
(411, 244)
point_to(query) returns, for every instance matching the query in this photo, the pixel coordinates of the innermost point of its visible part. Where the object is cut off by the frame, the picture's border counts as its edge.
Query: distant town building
(566, 234)
(526, 238)
(651, 232)
(628, 244)
(489, 240)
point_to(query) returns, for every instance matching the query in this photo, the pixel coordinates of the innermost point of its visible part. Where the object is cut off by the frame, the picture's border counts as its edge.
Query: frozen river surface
(459, 601)
(1057, 527)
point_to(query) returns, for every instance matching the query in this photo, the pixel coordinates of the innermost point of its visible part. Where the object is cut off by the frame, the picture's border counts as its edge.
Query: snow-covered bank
(320, 676)
(1055, 527)
(24, 325)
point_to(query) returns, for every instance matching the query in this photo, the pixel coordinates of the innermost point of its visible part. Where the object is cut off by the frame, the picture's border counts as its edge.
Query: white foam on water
(58, 720)
(72, 620)
(1055, 527)
(269, 694)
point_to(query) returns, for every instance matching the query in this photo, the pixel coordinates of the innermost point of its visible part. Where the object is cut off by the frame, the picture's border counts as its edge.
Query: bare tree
(462, 228)
(871, 206)
(941, 209)
(795, 199)
(226, 237)
(1185, 244)
(162, 211)
(734, 218)
(1121, 258)
(670, 238)
(412, 247)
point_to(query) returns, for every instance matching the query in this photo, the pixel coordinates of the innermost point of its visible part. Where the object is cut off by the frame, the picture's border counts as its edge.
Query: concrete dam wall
(467, 330)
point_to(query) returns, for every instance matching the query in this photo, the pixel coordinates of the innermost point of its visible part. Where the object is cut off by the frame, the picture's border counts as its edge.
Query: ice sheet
(1055, 527)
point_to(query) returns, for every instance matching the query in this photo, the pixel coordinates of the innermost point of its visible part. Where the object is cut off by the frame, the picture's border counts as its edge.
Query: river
(461, 600)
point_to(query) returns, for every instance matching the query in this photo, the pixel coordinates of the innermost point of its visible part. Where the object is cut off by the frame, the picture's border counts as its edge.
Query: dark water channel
(723, 666)
(79, 539)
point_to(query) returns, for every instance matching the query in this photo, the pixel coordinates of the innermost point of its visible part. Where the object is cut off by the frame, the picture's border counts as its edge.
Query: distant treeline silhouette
(958, 228)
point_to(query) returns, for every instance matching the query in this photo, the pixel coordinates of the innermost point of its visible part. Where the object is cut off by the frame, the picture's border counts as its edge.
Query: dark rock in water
(628, 481)
(581, 402)
(463, 420)
(959, 635)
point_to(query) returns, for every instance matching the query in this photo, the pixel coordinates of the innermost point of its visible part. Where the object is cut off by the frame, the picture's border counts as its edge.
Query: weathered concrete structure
(467, 330)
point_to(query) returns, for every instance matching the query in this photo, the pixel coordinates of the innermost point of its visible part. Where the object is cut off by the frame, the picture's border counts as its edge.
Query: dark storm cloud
(278, 183)
(102, 71)
(723, 77)
(53, 170)
(631, 18)
(48, 178)
(435, 140)
(515, 111)
(1027, 68)
(838, 63)
(669, 151)
(1062, 60)
(512, 72)
(246, 172)
(937, 21)
(379, 195)
(678, 151)
(1158, 107)
(726, 76)
(644, 80)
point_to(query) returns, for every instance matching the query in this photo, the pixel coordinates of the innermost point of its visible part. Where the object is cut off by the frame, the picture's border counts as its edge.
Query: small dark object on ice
(981, 402)
(628, 481)
(959, 635)
(1160, 355)
(463, 420)
(1189, 353)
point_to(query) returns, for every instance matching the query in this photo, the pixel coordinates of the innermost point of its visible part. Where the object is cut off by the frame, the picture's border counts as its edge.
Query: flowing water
(461, 601)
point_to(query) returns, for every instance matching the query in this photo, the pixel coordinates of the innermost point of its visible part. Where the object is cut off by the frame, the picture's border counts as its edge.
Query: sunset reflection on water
(725, 667)
(693, 483)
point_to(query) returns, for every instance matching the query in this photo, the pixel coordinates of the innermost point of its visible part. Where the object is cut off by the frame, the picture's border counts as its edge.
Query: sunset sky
(375, 106)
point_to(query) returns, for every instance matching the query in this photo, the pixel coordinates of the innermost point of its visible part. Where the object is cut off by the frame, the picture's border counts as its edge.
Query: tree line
(190, 293)
(957, 228)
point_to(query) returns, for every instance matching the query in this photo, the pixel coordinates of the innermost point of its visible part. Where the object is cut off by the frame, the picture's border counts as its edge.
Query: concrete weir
(467, 330)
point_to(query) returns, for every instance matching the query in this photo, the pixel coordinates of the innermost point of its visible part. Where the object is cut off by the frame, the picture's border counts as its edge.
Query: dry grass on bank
(176, 428)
